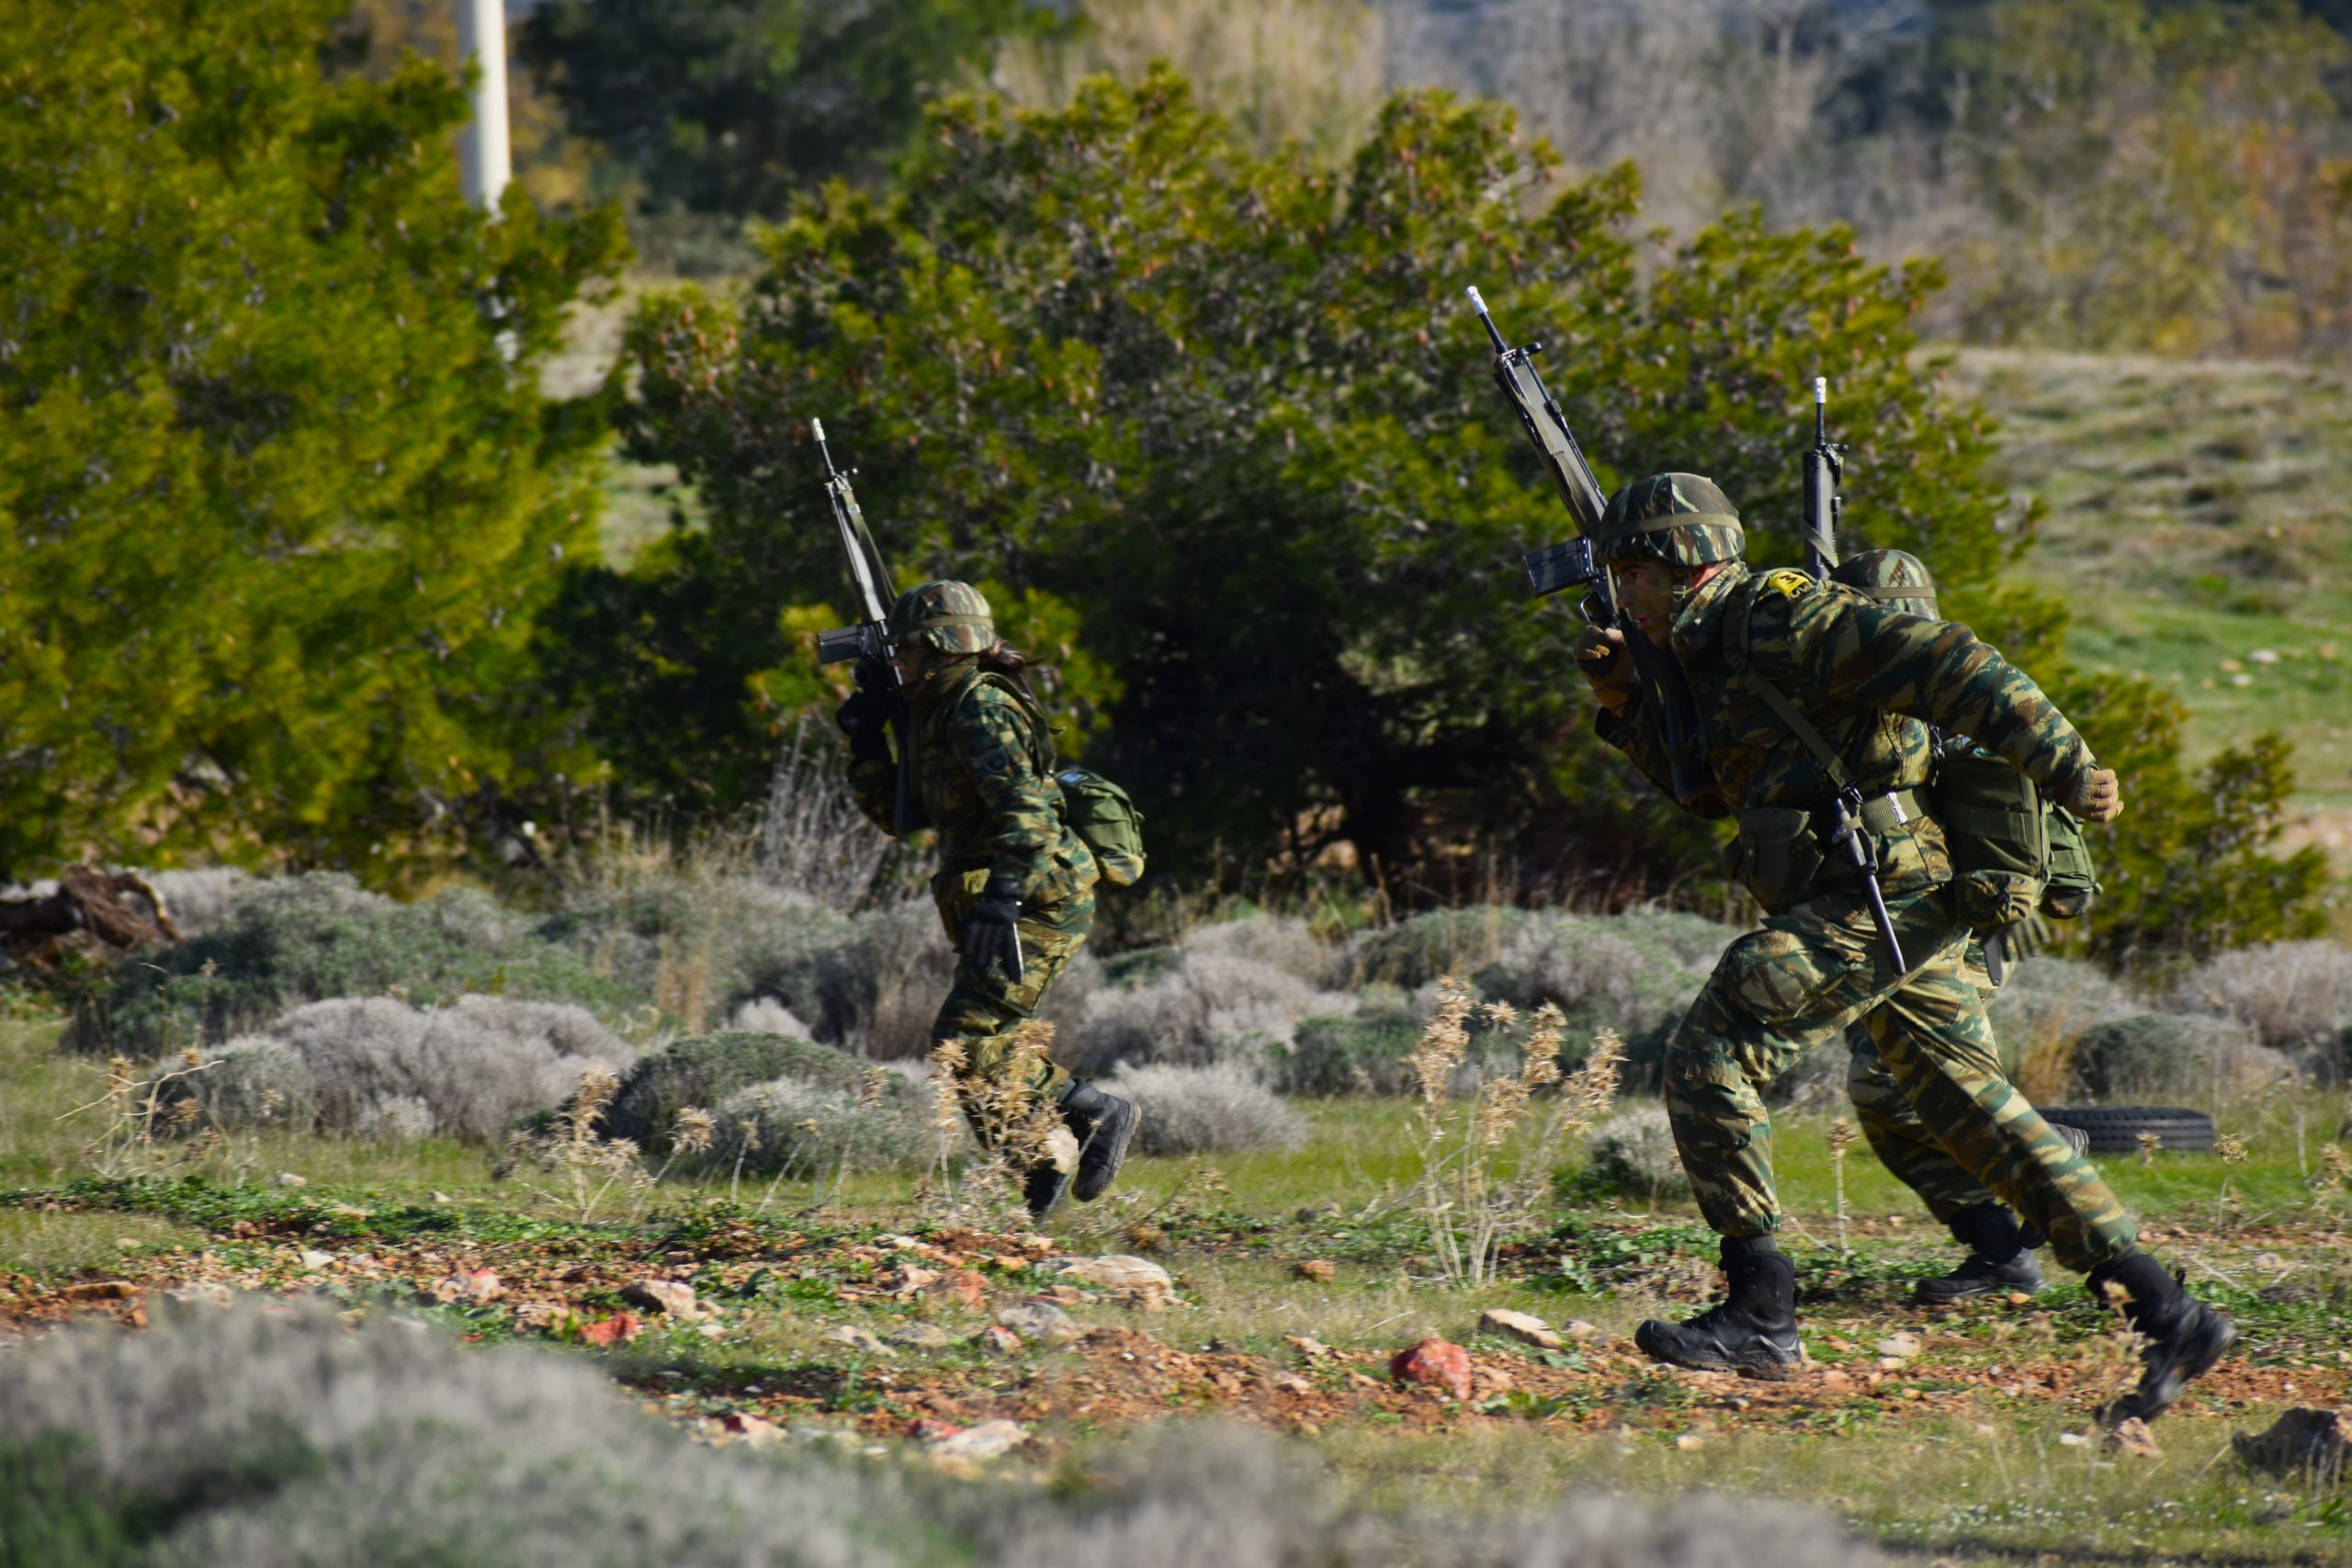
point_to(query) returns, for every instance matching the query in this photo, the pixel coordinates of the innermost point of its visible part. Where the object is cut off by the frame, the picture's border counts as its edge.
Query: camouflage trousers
(1802, 981)
(984, 1005)
(1897, 1133)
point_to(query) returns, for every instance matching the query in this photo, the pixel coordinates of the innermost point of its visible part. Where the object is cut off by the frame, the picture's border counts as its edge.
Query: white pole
(483, 160)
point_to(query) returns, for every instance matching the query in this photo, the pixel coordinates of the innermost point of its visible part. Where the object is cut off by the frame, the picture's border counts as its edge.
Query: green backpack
(1100, 813)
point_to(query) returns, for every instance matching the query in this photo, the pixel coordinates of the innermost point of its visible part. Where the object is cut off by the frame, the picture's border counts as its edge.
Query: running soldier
(1805, 693)
(1015, 885)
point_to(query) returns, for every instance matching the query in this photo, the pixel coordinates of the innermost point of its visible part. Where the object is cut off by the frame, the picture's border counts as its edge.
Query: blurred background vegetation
(349, 527)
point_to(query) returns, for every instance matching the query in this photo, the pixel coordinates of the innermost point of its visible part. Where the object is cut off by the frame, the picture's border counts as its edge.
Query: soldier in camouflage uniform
(2000, 1250)
(1015, 885)
(1870, 680)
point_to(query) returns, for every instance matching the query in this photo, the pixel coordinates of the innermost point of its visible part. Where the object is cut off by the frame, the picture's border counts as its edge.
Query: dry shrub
(1203, 1006)
(379, 1069)
(2041, 1015)
(710, 1069)
(2297, 996)
(1224, 1108)
(791, 1128)
(2176, 1059)
(200, 899)
(1634, 1153)
(1279, 942)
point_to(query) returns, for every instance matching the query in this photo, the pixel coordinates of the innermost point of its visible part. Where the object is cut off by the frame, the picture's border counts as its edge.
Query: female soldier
(1015, 885)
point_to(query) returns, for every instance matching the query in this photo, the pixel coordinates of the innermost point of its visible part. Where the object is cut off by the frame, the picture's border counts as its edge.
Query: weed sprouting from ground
(1841, 1137)
(1486, 1162)
(590, 1168)
(136, 1115)
(1018, 1128)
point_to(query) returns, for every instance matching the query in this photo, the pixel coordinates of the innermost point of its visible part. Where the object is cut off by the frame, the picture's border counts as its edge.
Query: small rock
(470, 1285)
(908, 1281)
(967, 1288)
(312, 1258)
(998, 1340)
(2304, 1440)
(711, 1330)
(287, 1178)
(1307, 1345)
(1434, 1363)
(2019, 1299)
(440, 1196)
(669, 1297)
(100, 1290)
(1688, 1440)
(1891, 1363)
(920, 1336)
(1289, 1381)
(756, 1431)
(987, 1440)
(2075, 1439)
(862, 1340)
(1122, 1273)
(1525, 1327)
(1902, 1345)
(617, 1329)
(1322, 1270)
(1578, 1328)
(347, 1212)
(1833, 1378)
(1041, 1321)
(204, 1293)
(2133, 1436)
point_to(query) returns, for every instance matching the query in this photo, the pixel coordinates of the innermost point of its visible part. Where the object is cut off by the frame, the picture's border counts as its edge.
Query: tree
(733, 105)
(1227, 414)
(279, 495)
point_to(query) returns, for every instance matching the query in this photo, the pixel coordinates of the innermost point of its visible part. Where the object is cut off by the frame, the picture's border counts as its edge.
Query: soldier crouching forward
(1015, 884)
(1804, 692)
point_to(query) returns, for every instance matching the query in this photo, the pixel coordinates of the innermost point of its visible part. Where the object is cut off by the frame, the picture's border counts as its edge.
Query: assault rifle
(1570, 564)
(868, 642)
(1825, 467)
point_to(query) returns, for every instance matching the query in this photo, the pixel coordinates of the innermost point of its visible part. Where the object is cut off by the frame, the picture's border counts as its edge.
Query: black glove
(865, 719)
(991, 932)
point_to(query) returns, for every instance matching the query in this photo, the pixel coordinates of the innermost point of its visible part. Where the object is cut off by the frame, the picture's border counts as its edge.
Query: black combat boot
(1042, 1189)
(1103, 1124)
(1753, 1332)
(2183, 1336)
(1997, 1260)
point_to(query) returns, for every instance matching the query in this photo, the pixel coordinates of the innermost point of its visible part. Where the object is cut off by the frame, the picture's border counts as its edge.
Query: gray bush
(1425, 948)
(200, 900)
(1221, 1109)
(792, 1128)
(2174, 1057)
(1634, 1152)
(1278, 942)
(1635, 973)
(271, 1437)
(379, 1069)
(2296, 995)
(306, 939)
(2047, 1005)
(1202, 1007)
(706, 1070)
(1363, 1051)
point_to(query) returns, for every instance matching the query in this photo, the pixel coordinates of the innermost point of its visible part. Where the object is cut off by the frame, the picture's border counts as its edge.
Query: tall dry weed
(1486, 1162)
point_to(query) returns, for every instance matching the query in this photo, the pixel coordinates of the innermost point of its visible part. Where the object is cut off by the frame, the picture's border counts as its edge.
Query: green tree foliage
(279, 495)
(1230, 410)
(732, 106)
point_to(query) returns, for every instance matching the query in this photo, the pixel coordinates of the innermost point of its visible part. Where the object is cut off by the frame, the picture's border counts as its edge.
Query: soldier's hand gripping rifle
(868, 642)
(1571, 564)
(1825, 466)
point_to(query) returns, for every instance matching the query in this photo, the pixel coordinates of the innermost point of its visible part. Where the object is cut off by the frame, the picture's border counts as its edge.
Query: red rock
(998, 1340)
(617, 1329)
(931, 1429)
(1439, 1363)
(965, 1289)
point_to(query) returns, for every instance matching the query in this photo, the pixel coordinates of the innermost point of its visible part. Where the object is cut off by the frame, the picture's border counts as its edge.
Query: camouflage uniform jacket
(1871, 679)
(984, 766)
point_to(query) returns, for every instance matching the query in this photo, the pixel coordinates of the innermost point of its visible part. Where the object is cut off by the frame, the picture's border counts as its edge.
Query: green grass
(2199, 514)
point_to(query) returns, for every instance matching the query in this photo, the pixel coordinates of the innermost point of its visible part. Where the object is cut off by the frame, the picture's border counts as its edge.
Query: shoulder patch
(1788, 582)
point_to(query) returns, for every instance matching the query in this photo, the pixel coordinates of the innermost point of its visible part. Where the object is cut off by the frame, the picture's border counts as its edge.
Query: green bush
(705, 1070)
(1363, 1052)
(311, 938)
(790, 1127)
(1421, 950)
(2171, 1059)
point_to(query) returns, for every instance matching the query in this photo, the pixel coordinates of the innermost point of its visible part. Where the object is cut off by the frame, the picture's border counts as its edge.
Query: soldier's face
(1645, 592)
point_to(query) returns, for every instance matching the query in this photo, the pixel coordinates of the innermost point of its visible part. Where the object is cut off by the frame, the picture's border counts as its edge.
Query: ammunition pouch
(2074, 880)
(1777, 856)
(2004, 841)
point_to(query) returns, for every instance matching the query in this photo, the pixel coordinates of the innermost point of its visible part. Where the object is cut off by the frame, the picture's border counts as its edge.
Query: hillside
(2198, 527)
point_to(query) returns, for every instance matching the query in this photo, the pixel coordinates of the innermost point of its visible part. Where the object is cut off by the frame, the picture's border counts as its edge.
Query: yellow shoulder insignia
(1788, 582)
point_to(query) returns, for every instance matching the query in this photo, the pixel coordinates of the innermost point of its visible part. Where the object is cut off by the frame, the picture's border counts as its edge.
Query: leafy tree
(279, 495)
(1229, 412)
(732, 106)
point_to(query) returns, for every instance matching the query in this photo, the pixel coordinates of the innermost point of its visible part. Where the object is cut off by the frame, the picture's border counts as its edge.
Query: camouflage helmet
(949, 616)
(1897, 579)
(1681, 519)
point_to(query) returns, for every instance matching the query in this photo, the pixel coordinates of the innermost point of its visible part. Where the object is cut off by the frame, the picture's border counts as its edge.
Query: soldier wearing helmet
(1015, 885)
(1802, 693)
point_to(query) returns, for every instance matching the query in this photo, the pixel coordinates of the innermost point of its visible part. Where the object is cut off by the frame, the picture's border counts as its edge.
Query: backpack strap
(1801, 727)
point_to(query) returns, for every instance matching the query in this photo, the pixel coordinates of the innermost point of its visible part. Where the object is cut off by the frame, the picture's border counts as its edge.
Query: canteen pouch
(1777, 856)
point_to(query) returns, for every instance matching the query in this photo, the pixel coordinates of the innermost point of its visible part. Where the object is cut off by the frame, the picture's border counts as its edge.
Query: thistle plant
(1485, 1161)
(1841, 1137)
(1014, 1123)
